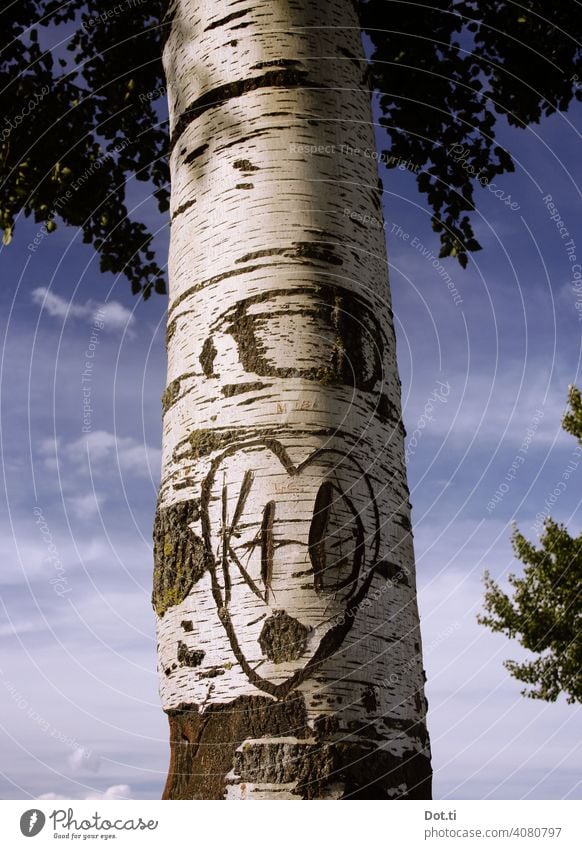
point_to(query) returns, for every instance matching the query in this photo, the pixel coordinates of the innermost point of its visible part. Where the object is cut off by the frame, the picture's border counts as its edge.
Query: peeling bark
(289, 646)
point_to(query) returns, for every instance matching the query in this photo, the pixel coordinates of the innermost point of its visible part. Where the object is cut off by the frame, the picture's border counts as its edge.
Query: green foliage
(545, 612)
(444, 72)
(572, 421)
(70, 153)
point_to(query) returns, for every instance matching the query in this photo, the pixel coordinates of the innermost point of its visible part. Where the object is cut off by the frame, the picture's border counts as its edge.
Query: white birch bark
(284, 559)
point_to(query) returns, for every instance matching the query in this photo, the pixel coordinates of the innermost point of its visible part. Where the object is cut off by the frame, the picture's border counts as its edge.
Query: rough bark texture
(290, 655)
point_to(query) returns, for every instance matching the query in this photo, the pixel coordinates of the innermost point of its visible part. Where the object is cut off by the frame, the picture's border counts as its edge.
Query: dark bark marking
(386, 410)
(179, 555)
(189, 657)
(198, 151)
(319, 251)
(242, 500)
(404, 522)
(283, 637)
(369, 699)
(280, 78)
(325, 726)
(356, 352)
(232, 17)
(318, 533)
(267, 547)
(210, 282)
(392, 572)
(207, 357)
(245, 186)
(186, 483)
(211, 672)
(245, 165)
(183, 208)
(243, 139)
(232, 389)
(172, 391)
(187, 625)
(230, 529)
(246, 577)
(170, 394)
(261, 254)
(276, 63)
(349, 55)
(204, 441)
(225, 539)
(326, 577)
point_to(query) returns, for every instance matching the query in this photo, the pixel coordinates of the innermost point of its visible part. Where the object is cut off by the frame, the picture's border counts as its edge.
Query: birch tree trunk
(284, 584)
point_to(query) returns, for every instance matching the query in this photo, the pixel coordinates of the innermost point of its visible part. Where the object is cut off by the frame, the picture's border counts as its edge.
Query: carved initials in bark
(266, 542)
(287, 585)
(347, 345)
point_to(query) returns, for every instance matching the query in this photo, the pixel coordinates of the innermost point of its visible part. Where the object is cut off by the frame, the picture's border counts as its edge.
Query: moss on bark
(179, 557)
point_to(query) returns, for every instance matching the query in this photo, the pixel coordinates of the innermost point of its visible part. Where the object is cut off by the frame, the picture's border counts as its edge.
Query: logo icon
(32, 822)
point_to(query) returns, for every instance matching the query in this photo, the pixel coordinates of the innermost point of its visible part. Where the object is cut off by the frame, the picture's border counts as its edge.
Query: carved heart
(287, 572)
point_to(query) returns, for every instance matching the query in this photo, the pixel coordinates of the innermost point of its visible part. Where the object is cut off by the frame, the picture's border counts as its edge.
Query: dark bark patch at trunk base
(203, 746)
(238, 742)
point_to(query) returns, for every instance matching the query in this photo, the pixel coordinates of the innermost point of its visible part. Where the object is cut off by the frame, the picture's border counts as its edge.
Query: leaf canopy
(89, 113)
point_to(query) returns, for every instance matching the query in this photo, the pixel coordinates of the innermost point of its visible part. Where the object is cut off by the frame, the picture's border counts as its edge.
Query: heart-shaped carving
(292, 550)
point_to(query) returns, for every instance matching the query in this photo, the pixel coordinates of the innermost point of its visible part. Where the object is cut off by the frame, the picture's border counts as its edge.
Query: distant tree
(545, 613)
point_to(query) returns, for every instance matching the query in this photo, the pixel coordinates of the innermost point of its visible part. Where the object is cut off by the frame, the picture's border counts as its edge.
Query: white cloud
(84, 760)
(56, 306)
(12, 629)
(102, 448)
(115, 792)
(39, 554)
(497, 407)
(104, 451)
(114, 316)
(86, 506)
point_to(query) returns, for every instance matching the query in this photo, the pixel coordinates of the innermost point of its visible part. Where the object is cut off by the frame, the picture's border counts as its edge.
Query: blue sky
(81, 715)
